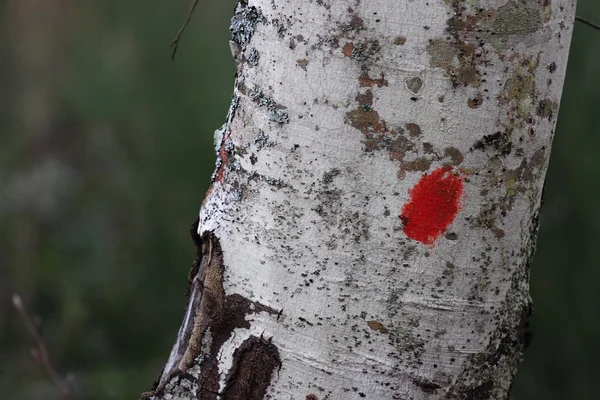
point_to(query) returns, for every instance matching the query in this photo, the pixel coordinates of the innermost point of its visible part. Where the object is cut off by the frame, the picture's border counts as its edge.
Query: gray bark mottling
(374, 209)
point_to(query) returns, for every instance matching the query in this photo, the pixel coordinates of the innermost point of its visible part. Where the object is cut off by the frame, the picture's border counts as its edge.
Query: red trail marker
(434, 203)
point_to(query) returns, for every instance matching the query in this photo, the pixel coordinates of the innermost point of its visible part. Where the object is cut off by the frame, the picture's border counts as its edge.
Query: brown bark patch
(366, 120)
(253, 365)
(399, 40)
(443, 55)
(235, 310)
(302, 63)
(476, 101)
(399, 147)
(356, 23)
(454, 154)
(377, 326)
(413, 129)
(420, 164)
(366, 81)
(364, 117)
(347, 49)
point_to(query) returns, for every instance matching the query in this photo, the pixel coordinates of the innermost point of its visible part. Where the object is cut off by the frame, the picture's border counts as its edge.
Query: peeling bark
(375, 203)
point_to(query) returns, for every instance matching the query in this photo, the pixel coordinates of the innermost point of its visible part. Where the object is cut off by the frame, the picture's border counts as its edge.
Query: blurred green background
(106, 153)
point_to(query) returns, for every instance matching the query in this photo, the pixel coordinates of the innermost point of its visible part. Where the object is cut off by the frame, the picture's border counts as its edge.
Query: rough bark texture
(374, 208)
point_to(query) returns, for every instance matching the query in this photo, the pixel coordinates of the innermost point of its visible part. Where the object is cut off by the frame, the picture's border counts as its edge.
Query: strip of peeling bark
(374, 209)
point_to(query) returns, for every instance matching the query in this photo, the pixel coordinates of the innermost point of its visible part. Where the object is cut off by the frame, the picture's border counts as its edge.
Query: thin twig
(175, 42)
(39, 351)
(588, 23)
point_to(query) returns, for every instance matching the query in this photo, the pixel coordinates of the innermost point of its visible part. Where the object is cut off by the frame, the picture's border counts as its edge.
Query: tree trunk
(373, 214)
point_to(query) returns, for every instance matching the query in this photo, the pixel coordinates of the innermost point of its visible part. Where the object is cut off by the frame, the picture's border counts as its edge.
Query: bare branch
(39, 352)
(588, 23)
(175, 43)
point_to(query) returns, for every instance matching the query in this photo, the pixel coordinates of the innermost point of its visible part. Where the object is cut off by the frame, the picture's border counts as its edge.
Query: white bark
(340, 108)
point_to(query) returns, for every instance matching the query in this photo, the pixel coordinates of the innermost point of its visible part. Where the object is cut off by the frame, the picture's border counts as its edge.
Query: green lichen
(457, 59)
(517, 17)
(522, 17)
(520, 85)
(519, 93)
(511, 187)
(414, 84)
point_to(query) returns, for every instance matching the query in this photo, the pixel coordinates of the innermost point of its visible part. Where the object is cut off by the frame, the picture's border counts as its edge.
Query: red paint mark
(220, 172)
(224, 158)
(434, 203)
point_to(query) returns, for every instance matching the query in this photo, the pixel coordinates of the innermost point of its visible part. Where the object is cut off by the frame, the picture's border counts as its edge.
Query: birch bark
(374, 209)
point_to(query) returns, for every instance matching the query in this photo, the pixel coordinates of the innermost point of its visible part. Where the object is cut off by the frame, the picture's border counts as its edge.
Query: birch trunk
(374, 209)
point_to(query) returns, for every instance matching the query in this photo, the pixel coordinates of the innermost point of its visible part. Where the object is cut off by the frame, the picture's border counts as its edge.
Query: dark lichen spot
(426, 385)
(498, 141)
(414, 84)
(328, 176)
(356, 23)
(499, 233)
(451, 236)
(545, 108)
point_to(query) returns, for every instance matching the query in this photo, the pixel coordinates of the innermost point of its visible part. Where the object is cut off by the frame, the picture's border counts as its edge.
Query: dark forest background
(106, 153)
